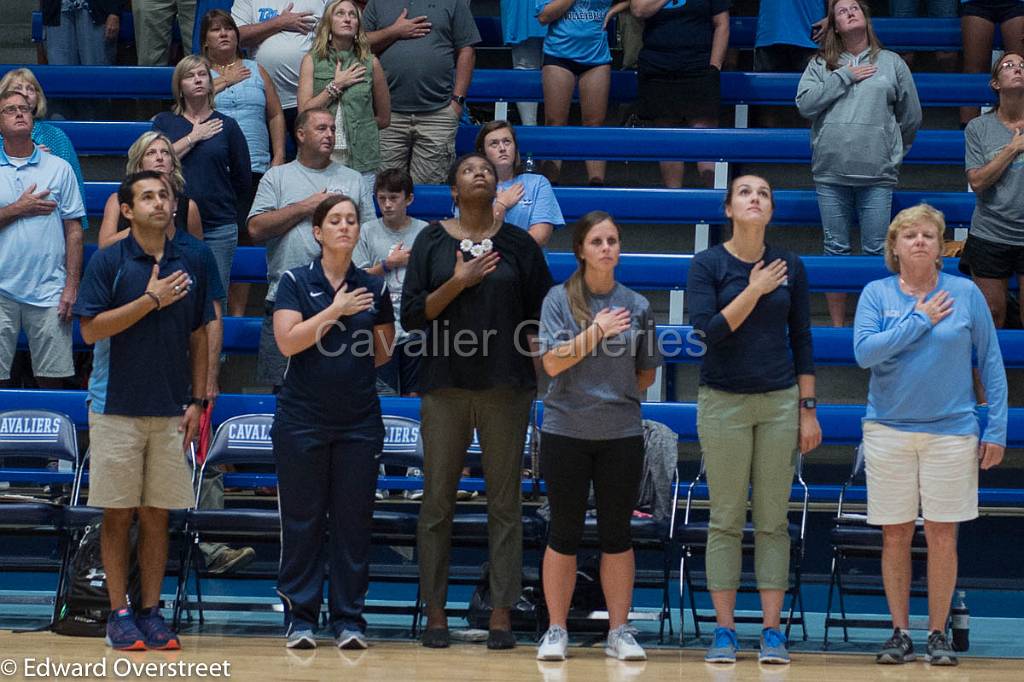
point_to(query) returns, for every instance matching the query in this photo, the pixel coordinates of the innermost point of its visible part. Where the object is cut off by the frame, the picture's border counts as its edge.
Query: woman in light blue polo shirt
(525, 200)
(576, 49)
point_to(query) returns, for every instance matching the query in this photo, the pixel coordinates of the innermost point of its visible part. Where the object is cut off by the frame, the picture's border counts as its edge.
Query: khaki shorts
(137, 462)
(907, 471)
(49, 339)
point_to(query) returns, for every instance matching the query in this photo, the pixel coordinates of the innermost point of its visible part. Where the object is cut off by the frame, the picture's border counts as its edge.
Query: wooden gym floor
(25, 655)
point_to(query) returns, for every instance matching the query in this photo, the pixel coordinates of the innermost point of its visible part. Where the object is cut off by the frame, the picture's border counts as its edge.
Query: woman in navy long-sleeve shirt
(755, 407)
(214, 157)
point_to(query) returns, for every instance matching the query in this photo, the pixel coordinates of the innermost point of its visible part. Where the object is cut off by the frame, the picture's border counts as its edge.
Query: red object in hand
(205, 430)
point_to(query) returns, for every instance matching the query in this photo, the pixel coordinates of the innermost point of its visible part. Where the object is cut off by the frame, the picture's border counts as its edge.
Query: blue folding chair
(42, 435)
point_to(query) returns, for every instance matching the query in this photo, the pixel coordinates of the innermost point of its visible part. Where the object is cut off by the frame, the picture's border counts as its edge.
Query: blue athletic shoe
(159, 637)
(724, 647)
(773, 647)
(122, 632)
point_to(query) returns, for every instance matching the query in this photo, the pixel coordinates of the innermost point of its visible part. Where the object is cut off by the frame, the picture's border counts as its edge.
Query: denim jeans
(843, 206)
(528, 55)
(223, 240)
(78, 41)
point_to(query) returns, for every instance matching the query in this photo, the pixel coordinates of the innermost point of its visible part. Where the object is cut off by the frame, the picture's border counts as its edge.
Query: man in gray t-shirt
(999, 211)
(419, 42)
(282, 213)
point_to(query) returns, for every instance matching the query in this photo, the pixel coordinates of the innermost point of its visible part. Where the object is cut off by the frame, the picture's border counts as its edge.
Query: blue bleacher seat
(492, 85)
(895, 34)
(777, 145)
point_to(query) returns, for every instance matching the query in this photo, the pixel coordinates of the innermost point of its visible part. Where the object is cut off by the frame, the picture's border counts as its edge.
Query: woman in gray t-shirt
(994, 251)
(600, 348)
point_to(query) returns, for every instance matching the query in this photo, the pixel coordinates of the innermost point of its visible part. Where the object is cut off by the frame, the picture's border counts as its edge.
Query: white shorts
(908, 471)
(49, 339)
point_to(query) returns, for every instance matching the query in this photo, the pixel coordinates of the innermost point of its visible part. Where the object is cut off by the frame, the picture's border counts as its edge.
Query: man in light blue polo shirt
(40, 248)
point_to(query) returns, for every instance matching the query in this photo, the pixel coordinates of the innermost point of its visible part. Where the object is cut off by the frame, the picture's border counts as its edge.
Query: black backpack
(84, 606)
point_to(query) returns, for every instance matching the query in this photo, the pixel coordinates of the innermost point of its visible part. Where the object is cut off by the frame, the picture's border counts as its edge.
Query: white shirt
(280, 54)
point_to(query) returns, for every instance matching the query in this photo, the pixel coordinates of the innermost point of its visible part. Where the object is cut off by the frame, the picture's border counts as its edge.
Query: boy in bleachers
(383, 249)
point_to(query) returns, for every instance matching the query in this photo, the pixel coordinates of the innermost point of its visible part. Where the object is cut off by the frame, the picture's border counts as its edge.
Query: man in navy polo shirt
(40, 247)
(144, 304)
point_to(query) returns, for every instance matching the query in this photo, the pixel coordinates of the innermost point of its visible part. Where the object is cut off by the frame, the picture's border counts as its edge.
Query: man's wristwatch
(459, 99)
(201, 402)
(808, 403)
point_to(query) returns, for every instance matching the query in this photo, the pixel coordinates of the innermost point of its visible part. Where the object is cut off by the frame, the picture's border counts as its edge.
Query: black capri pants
(570, 464)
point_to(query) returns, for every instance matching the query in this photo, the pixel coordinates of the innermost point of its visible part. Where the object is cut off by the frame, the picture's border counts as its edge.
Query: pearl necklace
(469, 246)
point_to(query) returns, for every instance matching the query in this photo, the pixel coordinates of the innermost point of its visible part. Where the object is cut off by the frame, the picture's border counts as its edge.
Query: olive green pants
(749, 442)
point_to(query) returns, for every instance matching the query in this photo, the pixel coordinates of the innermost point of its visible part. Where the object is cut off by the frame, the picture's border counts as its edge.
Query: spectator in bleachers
(49, 137)
(525, 200)
(576, 51)
(934, 9)
(281, 213)
(921, 436)
(144, 304)
(341, 74)
(427, 95)
(978, 19)
(864, 110)
(246, 93)
(278, 33)
(328, 430)
(81, 31)
(152, 151)
(994, 251)
(755, 406)
(472, 287)
(787, 34)
(40, 247)
(214, 157)
(525, 36)
(154, 20)
(680, 68)
(385, 245)
(600, 348)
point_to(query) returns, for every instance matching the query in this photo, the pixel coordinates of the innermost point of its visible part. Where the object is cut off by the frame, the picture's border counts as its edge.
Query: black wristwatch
(459, 99)
(808, 403)
(201, 402)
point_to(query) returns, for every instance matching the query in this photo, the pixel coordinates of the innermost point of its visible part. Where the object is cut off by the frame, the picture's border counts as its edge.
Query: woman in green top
(340, 74)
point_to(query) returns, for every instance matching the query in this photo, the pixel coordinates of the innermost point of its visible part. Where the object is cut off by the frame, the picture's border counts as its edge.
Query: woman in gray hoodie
(864, 112)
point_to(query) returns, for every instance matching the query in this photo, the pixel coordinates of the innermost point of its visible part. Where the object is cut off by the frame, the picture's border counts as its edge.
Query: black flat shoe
(500, 639)
(435, 638)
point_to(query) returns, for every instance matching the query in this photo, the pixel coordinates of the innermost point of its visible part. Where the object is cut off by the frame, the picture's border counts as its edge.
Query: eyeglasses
(1009, 64)
(16, 109)
(845, 11)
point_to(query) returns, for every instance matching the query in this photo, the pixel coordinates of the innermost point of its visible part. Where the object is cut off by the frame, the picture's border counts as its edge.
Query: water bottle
(961, 618)
(528, 167)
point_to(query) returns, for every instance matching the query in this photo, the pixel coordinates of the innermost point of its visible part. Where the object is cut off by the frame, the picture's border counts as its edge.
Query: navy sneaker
(122, 632)
(159, 637)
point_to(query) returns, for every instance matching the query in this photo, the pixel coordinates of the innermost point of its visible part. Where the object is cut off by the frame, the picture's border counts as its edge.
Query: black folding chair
(690, 538)
(856, 545)
(41, 435)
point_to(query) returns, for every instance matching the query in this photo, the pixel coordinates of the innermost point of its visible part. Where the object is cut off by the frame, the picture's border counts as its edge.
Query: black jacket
(99, 10)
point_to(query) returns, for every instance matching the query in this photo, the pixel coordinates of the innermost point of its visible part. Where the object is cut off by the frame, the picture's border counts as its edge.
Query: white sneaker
(621, 644)
(553, 644)
(351, 639)
(301, 639)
